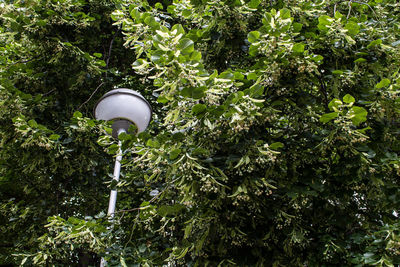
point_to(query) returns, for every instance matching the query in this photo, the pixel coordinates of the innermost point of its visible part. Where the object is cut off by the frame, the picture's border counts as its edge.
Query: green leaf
(101, 63)
(383, 83)
(352, 28)
(153, 143)
(158, 57)
(298, 48)
(337, 72)
(317, 58)
(33, 123)
(124, 136)
(199, 108)
(195, 56)
(348, 99)
(112, 149)
(135, 14)
(41, 23)
(139, 64)
(254, 3)
(187, 13)
(253, 36)
(374, 43)
(98, 55)
(54, 137)
(150, 20)
(77, 114)
(178, 137)
(276, 145)
(338, 15)
(328, 117)
(186, 46)
(360, 60)
(357, 115)
(252, 76)
(334, 104)
(158, 6)
(193, 92)
(297, 27)
(174, 153)
(24, 260)
(171, 9)
(142, 248)
(253, 50)
(284, 13)
(166, 210)
(179, 29)
(162, 99)
(323, 22)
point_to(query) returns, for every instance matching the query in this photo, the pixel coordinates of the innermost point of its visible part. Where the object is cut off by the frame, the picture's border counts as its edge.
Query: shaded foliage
(274, 139)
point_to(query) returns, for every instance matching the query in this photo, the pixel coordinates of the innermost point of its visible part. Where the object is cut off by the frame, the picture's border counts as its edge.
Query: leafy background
(274, 139)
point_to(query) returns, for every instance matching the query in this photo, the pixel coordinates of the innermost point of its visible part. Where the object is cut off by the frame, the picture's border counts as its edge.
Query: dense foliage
(274, 139)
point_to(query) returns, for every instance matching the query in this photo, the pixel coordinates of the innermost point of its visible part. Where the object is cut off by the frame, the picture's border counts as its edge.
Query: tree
(274, 139)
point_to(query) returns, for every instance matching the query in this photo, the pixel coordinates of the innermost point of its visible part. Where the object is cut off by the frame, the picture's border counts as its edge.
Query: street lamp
(124, 107)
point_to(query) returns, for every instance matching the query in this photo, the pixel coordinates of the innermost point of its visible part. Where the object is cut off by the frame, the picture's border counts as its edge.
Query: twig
(151, 200)
(129, 210)
(323, 91)
(49, 92)
(348, 14)
(23, 61)
(362, 3)
(133, 227)
(90, 96)
(110, 47)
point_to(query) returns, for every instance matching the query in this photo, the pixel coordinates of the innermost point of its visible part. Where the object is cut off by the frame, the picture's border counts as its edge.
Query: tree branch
(110, 47)
(90, 97)
(324, 92)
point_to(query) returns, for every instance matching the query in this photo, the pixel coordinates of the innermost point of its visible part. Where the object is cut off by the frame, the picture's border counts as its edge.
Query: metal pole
(113, 194)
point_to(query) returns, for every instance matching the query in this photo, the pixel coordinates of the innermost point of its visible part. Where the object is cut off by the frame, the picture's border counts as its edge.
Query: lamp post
(124, 107)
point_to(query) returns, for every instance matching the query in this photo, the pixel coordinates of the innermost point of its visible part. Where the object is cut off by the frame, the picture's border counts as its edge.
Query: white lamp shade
(124, 105)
